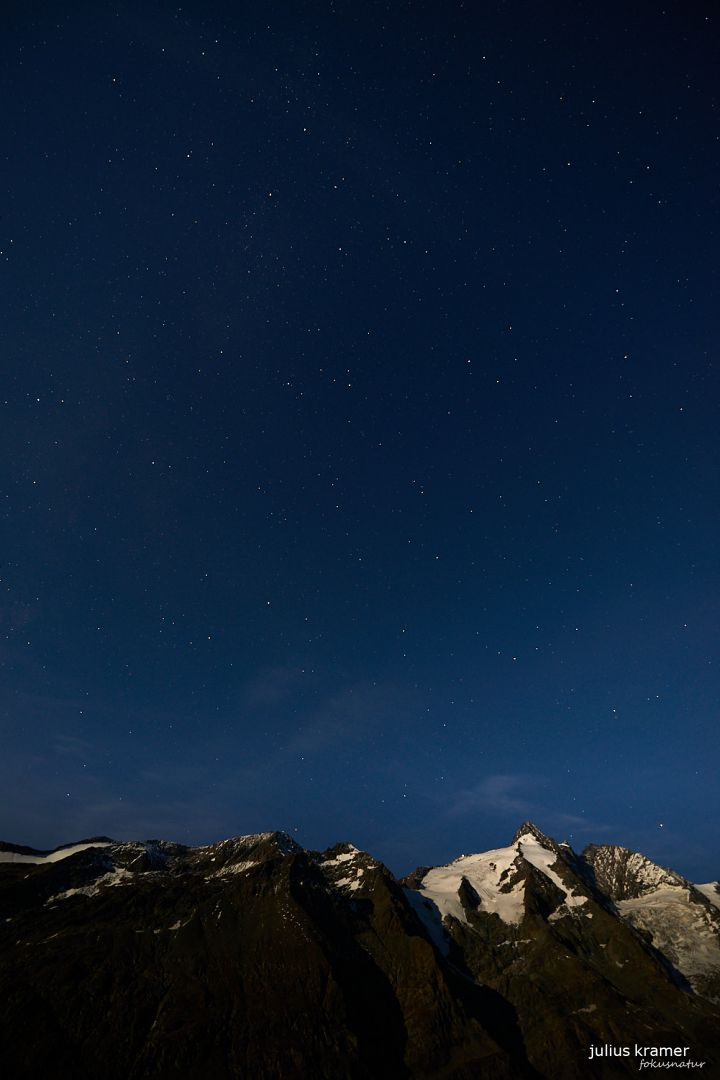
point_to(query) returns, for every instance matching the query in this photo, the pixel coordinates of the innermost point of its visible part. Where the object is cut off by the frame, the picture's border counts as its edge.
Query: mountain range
(254, 958)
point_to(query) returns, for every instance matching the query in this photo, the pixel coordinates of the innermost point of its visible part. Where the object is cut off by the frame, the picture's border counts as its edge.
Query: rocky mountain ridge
(253, 957)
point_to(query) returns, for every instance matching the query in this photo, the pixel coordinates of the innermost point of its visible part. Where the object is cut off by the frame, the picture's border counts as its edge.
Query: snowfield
(54, 856)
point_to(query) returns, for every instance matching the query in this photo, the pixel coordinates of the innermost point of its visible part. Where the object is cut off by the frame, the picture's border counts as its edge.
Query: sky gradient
(359, 425)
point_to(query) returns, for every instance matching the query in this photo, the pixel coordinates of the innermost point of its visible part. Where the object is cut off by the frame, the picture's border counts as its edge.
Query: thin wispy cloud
(503, 793)
(73, 746)
(518, 795)
(273, 686)
(355, 714)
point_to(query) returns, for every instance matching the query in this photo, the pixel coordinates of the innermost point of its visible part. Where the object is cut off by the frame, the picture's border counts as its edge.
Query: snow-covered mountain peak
(344, 866)
(529, 832)
(495, 882)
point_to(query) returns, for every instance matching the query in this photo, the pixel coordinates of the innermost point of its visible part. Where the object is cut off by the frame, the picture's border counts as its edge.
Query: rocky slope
(254, 958)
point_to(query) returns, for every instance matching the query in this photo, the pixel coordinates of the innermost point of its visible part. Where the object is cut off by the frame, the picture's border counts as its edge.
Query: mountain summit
(256, 958)
(530, 829)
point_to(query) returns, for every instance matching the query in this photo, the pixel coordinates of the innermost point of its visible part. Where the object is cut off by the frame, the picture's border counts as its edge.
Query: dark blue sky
(359, 424)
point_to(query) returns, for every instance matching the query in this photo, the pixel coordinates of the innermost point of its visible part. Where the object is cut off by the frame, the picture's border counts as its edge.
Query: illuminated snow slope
(497, 879)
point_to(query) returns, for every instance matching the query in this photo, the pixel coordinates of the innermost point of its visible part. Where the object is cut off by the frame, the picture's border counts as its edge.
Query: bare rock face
(626, 875)
(253, 958)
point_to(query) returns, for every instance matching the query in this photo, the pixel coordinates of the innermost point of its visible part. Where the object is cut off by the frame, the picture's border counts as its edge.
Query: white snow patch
(344, 857)
(710, 892)
(486, 873)
(118, 876)
(684, 930)
(54, 856)
(350, 883)
(235, 868)
(176, 926)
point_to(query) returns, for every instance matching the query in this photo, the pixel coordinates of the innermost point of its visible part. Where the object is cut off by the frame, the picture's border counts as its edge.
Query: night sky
(359, 420)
